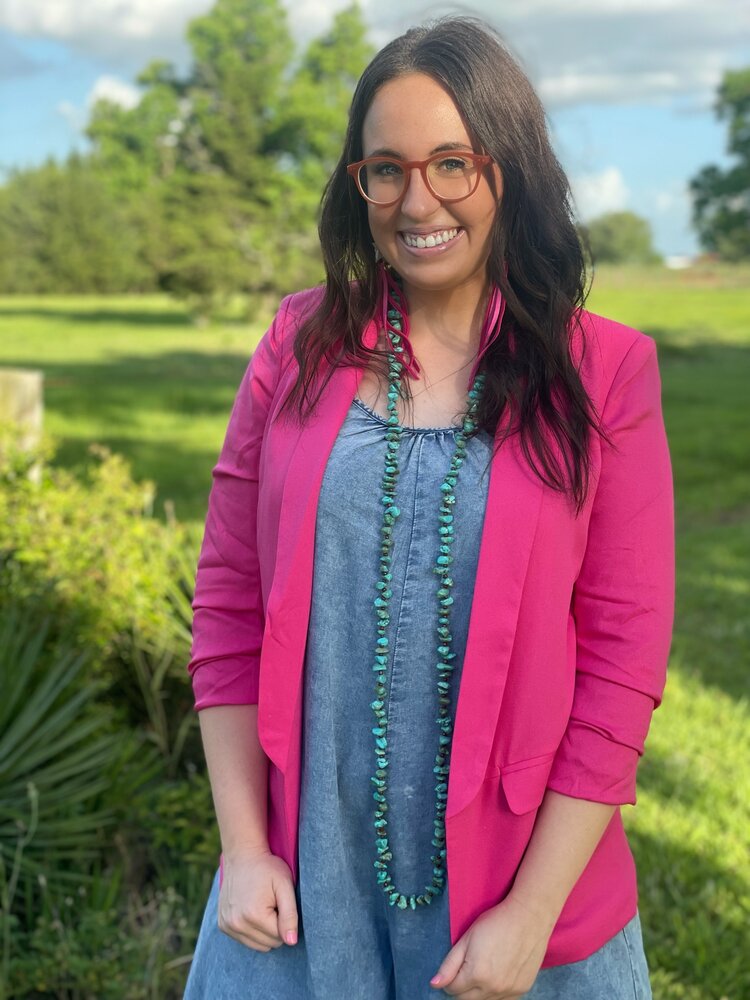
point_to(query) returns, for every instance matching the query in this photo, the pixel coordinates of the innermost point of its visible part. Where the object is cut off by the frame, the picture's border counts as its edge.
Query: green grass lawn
(136, 375)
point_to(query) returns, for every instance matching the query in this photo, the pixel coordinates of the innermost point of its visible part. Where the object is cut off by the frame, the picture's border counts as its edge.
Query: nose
(418, 201)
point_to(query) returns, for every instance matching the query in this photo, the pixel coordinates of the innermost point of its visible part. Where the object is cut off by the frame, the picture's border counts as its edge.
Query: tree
(62, 231)
(242, 49)
(269, 133)
(131, 145)
(621, 238)
(309, 125)
(721, 198)
(211, 183)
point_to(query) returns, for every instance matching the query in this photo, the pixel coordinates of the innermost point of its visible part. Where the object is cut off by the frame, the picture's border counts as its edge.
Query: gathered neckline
(445, 430)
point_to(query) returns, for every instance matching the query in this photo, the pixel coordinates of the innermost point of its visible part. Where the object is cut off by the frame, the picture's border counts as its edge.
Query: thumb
(451, 965)
(286, 904)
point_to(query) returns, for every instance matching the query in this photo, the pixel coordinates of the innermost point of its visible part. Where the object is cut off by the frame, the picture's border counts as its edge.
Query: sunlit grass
(137, 375)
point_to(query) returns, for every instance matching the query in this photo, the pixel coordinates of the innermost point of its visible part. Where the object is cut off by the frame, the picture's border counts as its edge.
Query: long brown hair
(536, 257)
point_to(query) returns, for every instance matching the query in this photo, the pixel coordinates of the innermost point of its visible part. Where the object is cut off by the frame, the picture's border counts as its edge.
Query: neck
(453, 317)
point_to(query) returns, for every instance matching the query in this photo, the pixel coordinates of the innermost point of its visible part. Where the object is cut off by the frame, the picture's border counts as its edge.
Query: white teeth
(433, 240)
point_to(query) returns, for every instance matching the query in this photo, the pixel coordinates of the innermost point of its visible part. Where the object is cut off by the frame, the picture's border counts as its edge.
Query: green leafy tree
(210, 185)
(310, 122)
(134, 145)
(241, 49)
(621, 238)
(62, 231)
(223, 219)
(258, 143)
(721, 197)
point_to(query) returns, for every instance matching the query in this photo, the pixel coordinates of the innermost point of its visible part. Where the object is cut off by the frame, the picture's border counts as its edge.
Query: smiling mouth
(436, 239)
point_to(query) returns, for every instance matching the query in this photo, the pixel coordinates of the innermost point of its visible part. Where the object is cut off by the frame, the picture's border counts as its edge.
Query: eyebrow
(443, 148)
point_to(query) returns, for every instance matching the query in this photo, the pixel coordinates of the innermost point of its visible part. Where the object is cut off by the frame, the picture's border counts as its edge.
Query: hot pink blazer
(569, 631)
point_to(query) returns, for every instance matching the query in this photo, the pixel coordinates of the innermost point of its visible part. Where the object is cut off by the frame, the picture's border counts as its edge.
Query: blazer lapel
(511, 515)
(288, 606)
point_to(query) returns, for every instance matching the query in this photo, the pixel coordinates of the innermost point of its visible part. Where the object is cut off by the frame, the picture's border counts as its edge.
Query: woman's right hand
(257, 904)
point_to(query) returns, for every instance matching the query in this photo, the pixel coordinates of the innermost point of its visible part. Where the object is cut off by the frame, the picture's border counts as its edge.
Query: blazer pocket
(525, 782)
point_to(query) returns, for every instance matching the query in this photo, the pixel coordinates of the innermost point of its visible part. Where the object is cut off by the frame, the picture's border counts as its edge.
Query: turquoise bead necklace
(445, 654)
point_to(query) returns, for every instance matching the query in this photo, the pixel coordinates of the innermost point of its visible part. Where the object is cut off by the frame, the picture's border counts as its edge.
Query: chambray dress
(353, 945)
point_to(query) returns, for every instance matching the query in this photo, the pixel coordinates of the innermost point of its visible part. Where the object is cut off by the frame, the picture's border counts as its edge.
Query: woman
(434, 599)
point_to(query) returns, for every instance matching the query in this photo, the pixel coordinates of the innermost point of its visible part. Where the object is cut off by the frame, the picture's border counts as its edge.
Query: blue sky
(628, 84)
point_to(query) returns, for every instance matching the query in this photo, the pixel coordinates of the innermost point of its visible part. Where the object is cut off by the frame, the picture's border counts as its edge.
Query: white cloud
(574, 87)
(69, 20)
(598, 193)
(106, 88)
(605, 51)
(75, 117)
(111, 88)
(123, 32)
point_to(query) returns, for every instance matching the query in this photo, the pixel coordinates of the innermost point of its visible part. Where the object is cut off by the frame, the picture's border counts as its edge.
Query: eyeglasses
(453, 176)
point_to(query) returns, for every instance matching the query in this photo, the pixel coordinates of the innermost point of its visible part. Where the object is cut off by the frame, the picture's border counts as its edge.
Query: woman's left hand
(499, 956)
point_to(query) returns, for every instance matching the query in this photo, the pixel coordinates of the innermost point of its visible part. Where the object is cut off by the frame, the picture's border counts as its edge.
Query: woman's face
(411, 118)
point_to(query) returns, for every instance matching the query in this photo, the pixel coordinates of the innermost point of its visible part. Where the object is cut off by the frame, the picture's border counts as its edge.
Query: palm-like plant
(57, 752)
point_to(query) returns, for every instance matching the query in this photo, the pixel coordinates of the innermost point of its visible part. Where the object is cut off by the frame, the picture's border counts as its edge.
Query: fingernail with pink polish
(291, 937)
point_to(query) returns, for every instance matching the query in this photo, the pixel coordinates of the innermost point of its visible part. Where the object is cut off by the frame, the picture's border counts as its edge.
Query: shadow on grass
(668, 776)
(121, 317)
(115, 391)
(136, 406)
(712, 632)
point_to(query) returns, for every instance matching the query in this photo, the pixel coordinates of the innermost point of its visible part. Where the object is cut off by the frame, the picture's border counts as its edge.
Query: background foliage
(209, 186)
(620, 238)
(721, 197)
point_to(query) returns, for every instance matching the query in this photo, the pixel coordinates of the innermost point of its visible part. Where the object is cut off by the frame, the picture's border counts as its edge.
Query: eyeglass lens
(383, 181)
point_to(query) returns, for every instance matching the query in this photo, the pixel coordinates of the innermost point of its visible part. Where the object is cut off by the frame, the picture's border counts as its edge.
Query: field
(136, 375)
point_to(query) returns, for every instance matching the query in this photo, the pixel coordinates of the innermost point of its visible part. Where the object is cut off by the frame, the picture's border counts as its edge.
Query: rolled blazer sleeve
(623, 599)
(228, 618)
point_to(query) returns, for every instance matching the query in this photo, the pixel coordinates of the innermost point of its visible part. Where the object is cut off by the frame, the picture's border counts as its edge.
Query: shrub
(100, 765)
(92, 948)
(89, 544)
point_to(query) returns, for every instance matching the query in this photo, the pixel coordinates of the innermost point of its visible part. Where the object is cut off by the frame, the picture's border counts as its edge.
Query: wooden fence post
(22, 404)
